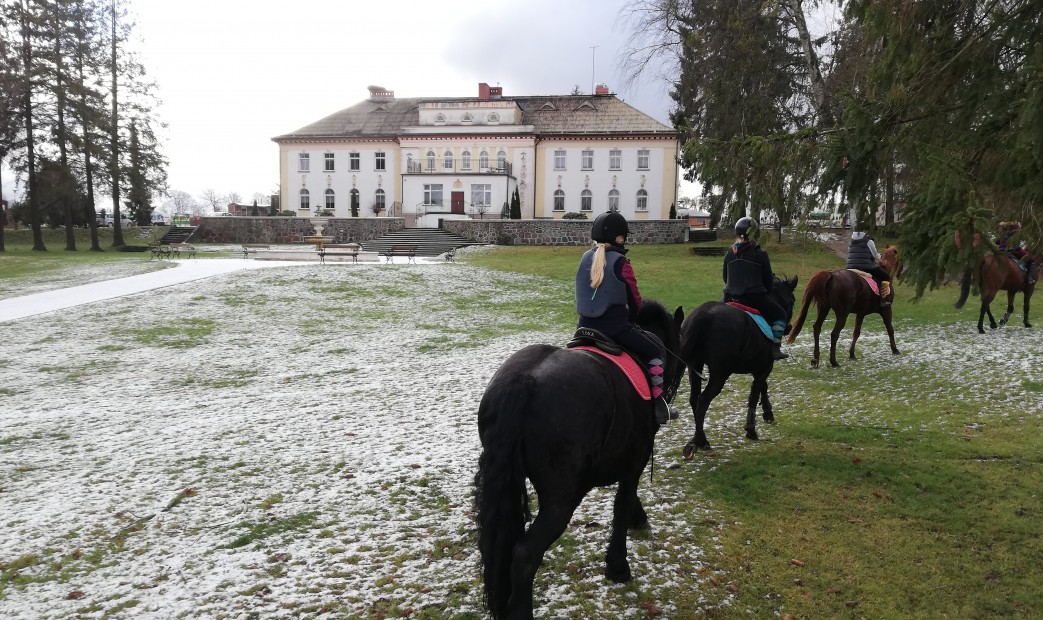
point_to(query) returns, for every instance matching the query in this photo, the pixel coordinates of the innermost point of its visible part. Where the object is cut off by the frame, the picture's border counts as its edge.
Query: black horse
(568, 421)
(727, 341)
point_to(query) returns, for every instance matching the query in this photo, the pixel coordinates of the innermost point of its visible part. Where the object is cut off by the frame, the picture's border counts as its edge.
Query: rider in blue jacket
(607, 299)
(748, 279)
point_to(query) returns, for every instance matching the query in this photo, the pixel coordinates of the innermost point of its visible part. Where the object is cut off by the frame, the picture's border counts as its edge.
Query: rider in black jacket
(748, 279)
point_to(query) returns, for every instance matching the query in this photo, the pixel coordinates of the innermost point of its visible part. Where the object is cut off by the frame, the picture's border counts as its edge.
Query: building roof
(547, 115)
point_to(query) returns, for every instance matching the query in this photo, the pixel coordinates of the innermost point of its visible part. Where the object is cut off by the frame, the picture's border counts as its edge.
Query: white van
(107, 220)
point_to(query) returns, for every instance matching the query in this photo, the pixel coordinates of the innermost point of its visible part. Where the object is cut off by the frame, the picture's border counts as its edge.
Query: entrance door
(457, 204)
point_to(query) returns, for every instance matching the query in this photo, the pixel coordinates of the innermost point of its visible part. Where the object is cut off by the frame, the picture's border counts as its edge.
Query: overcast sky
(232, 74)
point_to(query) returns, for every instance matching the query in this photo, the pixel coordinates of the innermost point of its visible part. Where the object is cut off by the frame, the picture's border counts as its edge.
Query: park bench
(335, 249)
(186, 248)
(409, 251)
(251, 248)
(160, 251)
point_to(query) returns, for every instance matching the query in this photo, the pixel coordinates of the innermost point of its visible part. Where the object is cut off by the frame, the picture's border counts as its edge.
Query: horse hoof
(834, 364)
(689, 451)
(1027, 324)
(752, 434)
(814, 363)
(769, 418)
(895, 352)
(618, 574)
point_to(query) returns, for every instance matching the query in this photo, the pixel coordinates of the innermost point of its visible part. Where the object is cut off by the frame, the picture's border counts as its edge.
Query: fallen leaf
(74, 595)
(857, 461)
(797, 563)
(714, 581)
(852, 604)
(833, 590)
(732, 588)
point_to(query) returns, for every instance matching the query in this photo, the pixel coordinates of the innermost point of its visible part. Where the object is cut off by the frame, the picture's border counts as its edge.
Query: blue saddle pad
(763, 324)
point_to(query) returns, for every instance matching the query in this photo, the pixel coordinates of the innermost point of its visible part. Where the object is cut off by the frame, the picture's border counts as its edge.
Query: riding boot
(655, 374)
(777, 329)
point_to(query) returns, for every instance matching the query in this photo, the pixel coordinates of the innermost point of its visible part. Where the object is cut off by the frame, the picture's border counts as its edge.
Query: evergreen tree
(515, 205)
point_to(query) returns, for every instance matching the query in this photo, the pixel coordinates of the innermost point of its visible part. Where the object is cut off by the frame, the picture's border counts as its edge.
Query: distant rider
(748, 279)
(863, 255)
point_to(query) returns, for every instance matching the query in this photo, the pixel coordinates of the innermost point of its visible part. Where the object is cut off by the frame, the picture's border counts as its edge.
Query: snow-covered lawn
(294, 440)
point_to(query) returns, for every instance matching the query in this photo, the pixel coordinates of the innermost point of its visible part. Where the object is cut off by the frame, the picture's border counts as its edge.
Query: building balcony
(415, 167)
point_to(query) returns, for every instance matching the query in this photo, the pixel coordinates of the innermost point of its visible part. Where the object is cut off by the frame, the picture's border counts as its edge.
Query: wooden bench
(160, 251)
(251, 248)
(339, 249)
(409, 251)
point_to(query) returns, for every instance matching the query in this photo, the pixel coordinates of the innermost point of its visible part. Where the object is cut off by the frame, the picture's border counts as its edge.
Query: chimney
(483, 91)
(601, 89)
(379, 93)
(495, 92)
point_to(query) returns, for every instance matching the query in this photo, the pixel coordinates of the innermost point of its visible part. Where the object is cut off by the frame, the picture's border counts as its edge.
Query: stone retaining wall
(561, 232)
(292, 229)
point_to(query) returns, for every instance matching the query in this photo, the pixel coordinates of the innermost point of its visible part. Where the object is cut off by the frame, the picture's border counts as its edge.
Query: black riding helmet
(608, 226)
(746, 227)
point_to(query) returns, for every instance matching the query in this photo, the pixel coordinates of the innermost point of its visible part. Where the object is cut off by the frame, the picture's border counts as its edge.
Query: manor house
(425, 159)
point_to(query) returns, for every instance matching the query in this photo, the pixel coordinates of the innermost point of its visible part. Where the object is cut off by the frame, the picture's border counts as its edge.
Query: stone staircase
(428, 241)
(178, 234)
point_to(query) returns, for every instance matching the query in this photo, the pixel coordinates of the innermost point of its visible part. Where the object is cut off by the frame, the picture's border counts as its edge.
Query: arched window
(642, 200)
(331, 204)
(465, 160)
(613, 200)
(431, 160)
(447, 162)
(586, 200)
(483, 160)
(440, 119)
(378, 201)
(305, 200)
(501, 160)
(559, 200)
(466, 120)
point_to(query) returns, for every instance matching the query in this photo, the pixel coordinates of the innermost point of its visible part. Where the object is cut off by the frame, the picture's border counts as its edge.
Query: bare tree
(215, 201)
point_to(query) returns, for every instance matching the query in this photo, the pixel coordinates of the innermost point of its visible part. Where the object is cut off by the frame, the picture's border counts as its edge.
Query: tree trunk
(818, 86)
(114, 165)
(30, 147)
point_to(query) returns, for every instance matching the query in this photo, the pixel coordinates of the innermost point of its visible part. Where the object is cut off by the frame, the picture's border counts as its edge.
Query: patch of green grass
(260, 531)
(183, 334)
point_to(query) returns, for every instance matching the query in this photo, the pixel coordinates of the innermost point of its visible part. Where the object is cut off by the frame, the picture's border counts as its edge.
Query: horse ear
(792, 283)
(679, 315)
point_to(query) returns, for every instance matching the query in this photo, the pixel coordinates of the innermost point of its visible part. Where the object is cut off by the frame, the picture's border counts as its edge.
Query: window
(465, 160)
(354, 203)
(331, 204)
(328, 161)
(303, 163)
(615, 159)
(378, 201)
(353, 161)
(483, 161)
(493, 118)
(501, 160)
(642, 159)
(585, 200)
(305, 200)
(559, 200)
(379, 162)
(613, 200)
(588, 160)
(559, 160)
(440, 119)
(481, 194)
(642, 200)
(432, 193)
(447, 162)
(431, 161)
(466, 120)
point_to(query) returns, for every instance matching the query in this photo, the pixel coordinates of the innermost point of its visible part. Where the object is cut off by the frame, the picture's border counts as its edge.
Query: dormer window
(466, 119)
(440, 119)
(493, 118)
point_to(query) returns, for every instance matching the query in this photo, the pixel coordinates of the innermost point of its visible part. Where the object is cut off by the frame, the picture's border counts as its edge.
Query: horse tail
(965, 288)
(815, 290)
(501, 498)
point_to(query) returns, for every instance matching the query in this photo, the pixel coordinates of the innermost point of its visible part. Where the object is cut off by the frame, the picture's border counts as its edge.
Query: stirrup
(662, 411)
(777, 353)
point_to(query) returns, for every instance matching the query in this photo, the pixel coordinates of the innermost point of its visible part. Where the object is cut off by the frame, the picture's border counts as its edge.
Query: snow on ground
(323, 419)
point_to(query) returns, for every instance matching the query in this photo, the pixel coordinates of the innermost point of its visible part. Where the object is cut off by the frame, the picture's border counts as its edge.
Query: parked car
(107, 220)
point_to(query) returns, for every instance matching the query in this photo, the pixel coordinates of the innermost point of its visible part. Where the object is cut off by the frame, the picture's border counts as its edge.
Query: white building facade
(426, 159)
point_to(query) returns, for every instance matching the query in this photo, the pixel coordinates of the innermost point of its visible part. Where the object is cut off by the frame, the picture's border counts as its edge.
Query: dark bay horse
(845, 293)
(999, 273)
(726, 341)
(568, 421)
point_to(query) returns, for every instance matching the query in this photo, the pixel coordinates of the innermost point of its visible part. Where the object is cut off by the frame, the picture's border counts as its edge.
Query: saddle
(593, 341)
(868, 278)
(755, 314)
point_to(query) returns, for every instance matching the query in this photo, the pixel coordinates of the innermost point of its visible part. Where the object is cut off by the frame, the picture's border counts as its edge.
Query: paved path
(187, 270)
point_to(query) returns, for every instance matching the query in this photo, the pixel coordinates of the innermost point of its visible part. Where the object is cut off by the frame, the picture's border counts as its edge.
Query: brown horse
(845, 292)
(999, 272)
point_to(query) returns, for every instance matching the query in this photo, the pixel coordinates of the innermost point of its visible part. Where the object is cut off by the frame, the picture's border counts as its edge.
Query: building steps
(178, 234)
(429, 241)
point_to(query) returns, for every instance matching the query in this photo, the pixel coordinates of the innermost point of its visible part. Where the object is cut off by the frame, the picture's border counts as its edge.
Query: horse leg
(713, 387)
(886, 314)
(1028, 295)
(617, 568)
(819, 320)
(550, 523)
(1010, 308)
(985, 310)
(835, 335)
(769, 417)
(854, 337)
(751, 408)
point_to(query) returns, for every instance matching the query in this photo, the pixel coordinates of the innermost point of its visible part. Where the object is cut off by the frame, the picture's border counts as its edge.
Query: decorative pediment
(546, 106)
(586, 105)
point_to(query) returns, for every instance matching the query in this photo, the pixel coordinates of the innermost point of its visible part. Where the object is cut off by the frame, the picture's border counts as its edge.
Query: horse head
(889, 261)
(782, 291)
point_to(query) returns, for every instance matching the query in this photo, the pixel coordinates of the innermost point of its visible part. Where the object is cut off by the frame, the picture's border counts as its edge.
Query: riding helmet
(746, 227)
(608, 226)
